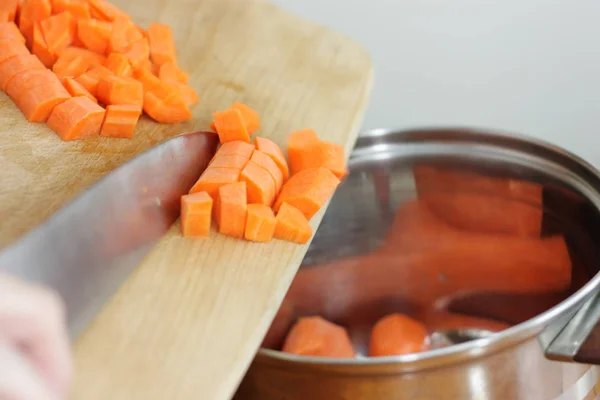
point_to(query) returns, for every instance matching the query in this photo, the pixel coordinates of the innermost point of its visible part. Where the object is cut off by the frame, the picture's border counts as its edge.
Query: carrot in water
(259, 183)
(260, 223)
(213, 178)
(40, 48)
(76, 89)
(137, 53)
(292, 225)
(33, 11)
(230, 126)
(169, 110)
(315, 336)
(103, 10)
(251, 117)
(94, 34)
(229, 161)
(13, 66)
(12, 48)
(196, 210)
(120, 121)
(272, 150)
(397, 334)
(37, 103)
(308, 190)
(8, 11)
(59, 32)
(9, 30)
(170, 72)
(116, 90)
(319, 154)
(230, 209)
(118, 64)
(237, 148)
(263, 160)
(76, 118)
(70, 68)
(162, 46)
(92, 58)
(79, 9)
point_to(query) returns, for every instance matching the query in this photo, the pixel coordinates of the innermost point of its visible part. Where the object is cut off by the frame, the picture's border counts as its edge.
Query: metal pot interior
(469, 232)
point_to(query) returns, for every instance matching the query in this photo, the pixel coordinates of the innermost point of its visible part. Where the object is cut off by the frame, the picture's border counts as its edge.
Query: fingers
(19, 380)
(32, 318)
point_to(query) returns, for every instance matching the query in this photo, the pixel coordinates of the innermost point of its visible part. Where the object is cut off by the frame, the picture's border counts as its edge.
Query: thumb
(19, 380)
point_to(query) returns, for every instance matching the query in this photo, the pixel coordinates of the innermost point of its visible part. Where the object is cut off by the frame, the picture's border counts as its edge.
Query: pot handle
(576, 336)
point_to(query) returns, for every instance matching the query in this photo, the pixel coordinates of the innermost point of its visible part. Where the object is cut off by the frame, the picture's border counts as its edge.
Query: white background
(528, 66)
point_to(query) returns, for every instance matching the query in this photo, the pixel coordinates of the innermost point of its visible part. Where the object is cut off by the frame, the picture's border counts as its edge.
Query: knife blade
(91, 245)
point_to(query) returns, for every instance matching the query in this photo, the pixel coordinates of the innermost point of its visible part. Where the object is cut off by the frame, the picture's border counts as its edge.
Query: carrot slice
(33, 11)
(37, 103)
(103, 10)
(260, 223)
(315, 336)
(230, 126)
(94, 34)
(230, 209)
(297, 142)
(149, 80)
(213, 178)
(8, 11)
(308, 190)
(119, 64)
(117, 90)
(162, 45)
(79, 9)
(29, 79)
(319, 154)
(76, 118)
(196, 210)
(91, 79)
(397, 334)
(237, 148)
(40, 48)
(120, 121)
(292, 225)
(120, 37)
(9, 30)
(170, 72)
(137, 53)
(229, 161)
(12, 48)
(186, 93)
(13, 66)
(269, 165)
(76, 89)
(64, 67)
(169, 110)
(59, 32)
(259, 183)
(272, 150)
(92, 58)
(251, 117)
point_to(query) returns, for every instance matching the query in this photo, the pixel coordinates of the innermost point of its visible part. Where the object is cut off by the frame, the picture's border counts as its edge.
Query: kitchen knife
(90, 246)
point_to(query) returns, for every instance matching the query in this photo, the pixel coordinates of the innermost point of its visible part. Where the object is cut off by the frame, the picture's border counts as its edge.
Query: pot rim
(497, 341)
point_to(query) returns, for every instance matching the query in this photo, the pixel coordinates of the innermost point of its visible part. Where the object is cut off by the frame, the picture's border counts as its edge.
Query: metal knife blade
(91, 245)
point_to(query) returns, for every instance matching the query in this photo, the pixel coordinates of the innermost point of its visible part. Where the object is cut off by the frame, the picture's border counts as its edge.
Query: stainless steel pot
(356, 271)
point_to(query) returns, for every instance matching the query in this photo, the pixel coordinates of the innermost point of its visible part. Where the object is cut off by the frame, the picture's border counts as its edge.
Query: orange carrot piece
(297, 142)
(91, 79)
(230, 209)
(162, 45)
(319, 154)
(397, 334)
(315, 336)
(263, 160)
(251, 117)
(272, 150)
(12, 48)
(117, 90)
(120, 37)
(237, 148)
(196, 211)
(79, 9)
(119, 64)
(33, 11)
(94, 34)
(260, 223)
(40, 47)
(259, 183)
(308, 190)
(59, 32)
(213, 127)
(229, 161)
(137, 53)
(92, 58)
(213, 178)
(76, 118)
(8, 11)
(170, 72)
(13, 66)
(9, 30)
(29, 79)
(103, 10)
(149, 80)
(292, 225)
(120, 121)
(230, 126)
(64, 68)
(168, 110)
(37, 103)
(76, 89)
(186, 93)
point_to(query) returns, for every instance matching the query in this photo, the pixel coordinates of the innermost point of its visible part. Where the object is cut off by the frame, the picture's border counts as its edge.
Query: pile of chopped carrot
(255, 195)
(90, 56)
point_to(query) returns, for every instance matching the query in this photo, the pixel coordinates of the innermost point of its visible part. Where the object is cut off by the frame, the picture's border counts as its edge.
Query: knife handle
(19, 379)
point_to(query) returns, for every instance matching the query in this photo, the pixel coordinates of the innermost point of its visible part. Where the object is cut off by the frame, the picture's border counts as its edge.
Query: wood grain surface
(188, 321)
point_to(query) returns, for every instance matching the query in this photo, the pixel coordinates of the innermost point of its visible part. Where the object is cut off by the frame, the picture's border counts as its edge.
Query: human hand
(35, 360)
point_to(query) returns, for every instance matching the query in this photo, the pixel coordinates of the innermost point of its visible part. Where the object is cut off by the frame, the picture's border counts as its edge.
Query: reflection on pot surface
(479, 237)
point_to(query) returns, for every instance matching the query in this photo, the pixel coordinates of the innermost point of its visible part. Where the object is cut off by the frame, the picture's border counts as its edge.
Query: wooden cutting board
(188, 321)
